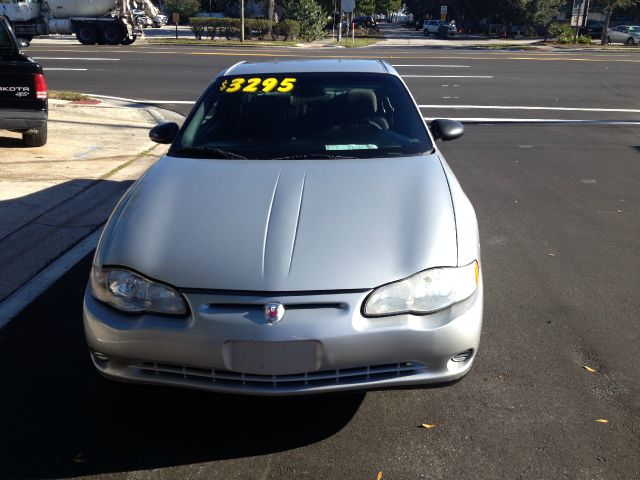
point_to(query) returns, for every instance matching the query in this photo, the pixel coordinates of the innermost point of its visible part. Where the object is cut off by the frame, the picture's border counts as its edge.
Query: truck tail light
(41, 86)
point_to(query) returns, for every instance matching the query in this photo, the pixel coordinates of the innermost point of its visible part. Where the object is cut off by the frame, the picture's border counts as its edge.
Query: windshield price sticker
(255, 84)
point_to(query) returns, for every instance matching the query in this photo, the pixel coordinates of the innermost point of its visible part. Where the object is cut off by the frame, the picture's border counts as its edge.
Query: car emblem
(273, 312)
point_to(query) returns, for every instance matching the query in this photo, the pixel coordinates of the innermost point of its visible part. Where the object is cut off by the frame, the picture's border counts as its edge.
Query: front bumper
(322, 344)
(22, 119)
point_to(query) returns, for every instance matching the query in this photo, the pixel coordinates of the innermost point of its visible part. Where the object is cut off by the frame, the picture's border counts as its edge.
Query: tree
(310, 15)
(186, 8)
(366, 7)
(609, 6)
(388, 6)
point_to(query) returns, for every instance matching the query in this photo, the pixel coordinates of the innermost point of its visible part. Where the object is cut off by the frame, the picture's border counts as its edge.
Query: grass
(359, 42)
(71, 96)
(220, 43)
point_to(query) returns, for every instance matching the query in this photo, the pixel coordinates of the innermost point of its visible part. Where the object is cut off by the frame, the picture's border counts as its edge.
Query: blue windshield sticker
(352, 146)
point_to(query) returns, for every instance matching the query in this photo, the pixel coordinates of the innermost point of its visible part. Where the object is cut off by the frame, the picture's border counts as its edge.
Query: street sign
(443, 10)
(443, 17)
(579, 13)
(348, 5)
(176, 18)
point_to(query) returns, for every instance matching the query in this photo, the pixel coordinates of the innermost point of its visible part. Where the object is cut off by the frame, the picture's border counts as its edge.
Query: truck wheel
(36, 137)
(111, 35)
(129, 39)
(87, 34)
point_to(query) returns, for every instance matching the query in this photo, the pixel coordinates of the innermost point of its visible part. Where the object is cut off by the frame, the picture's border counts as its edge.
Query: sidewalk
(53, 197)
(395, 35)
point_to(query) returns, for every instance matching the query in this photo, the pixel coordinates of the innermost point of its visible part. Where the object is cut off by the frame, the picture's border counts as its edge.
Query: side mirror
(164, 133)
(446, 130)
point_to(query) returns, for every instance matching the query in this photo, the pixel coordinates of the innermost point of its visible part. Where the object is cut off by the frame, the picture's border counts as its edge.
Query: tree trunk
(271, 9)
(608, 11)
(242, 20)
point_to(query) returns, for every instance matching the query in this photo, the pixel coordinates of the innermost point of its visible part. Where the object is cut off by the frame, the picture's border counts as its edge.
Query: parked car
(159, 20)
(364, 21)
(446, 30)
(629, 34)
(594, 28)
(141, 18)
(23, 91)
(430, 27)
(303, 234)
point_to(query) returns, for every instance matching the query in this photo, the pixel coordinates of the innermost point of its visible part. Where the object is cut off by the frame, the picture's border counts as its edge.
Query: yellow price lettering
(256, 84)
(269, 84)
(252, 85)
(286, 85)
(235, 85)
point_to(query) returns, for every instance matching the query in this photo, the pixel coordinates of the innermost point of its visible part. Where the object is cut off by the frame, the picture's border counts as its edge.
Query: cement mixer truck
(110, 22)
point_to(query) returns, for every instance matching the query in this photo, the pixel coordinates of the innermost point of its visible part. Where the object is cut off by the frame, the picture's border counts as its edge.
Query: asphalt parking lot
(555, 190)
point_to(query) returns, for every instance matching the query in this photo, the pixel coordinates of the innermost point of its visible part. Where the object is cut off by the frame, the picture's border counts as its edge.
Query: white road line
(446, 76)
(78, 58)
(537, 120)
(506, 107)
(46, 69)
(435, 66)
(146, 102)
(39, 284)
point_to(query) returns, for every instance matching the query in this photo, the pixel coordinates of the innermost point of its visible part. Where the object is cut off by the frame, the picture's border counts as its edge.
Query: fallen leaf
(379, 476)
(552, 254)
(427, 425)
(501, 377)
(619, 211)
(589, 369)
(602, 420)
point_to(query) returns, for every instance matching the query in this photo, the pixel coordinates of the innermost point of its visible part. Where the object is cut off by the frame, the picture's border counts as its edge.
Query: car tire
(36, 137)
(87, 34)
(111, 35)
(128, 40)
(630, 41)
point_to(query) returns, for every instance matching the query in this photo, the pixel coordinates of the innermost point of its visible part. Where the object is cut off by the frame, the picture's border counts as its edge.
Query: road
(558, 207)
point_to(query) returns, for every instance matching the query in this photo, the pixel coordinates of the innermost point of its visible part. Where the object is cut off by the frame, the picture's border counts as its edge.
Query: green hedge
(254, 28)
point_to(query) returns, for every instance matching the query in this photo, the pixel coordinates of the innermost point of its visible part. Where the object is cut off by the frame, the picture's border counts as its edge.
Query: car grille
(325, 377)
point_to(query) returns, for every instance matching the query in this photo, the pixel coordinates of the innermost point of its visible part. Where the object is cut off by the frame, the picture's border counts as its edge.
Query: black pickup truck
(23, 91)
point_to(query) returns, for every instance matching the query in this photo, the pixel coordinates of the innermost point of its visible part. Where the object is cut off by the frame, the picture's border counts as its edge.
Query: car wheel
(630, 41)
(36, 137)
(128, 40)
(87, 34)
(112, 35)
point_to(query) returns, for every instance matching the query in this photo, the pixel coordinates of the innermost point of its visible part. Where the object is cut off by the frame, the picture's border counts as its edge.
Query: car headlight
(424, 292)
(131, 292)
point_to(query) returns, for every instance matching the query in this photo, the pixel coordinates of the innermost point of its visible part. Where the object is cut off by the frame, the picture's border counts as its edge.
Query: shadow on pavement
(11, 142)
(59, 418)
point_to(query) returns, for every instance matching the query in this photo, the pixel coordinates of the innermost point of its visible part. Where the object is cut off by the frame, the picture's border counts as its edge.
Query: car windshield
(310, 115)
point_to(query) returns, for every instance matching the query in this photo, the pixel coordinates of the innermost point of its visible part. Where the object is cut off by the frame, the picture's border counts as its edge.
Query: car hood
(284, 225)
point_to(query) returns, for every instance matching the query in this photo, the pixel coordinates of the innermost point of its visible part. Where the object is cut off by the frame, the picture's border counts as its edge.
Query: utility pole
(242, 20)
(340, 21)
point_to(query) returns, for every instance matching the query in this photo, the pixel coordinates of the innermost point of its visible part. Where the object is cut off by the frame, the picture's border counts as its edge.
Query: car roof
(328, 65)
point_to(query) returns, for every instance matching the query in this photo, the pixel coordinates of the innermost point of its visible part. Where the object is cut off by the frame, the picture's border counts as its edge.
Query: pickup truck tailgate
(19, 86)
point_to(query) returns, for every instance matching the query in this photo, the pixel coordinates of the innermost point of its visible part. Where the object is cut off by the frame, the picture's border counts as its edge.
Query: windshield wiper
(207, 152)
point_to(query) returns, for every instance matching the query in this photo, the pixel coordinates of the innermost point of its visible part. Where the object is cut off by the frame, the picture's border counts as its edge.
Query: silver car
(629, 34)
(303, 234)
